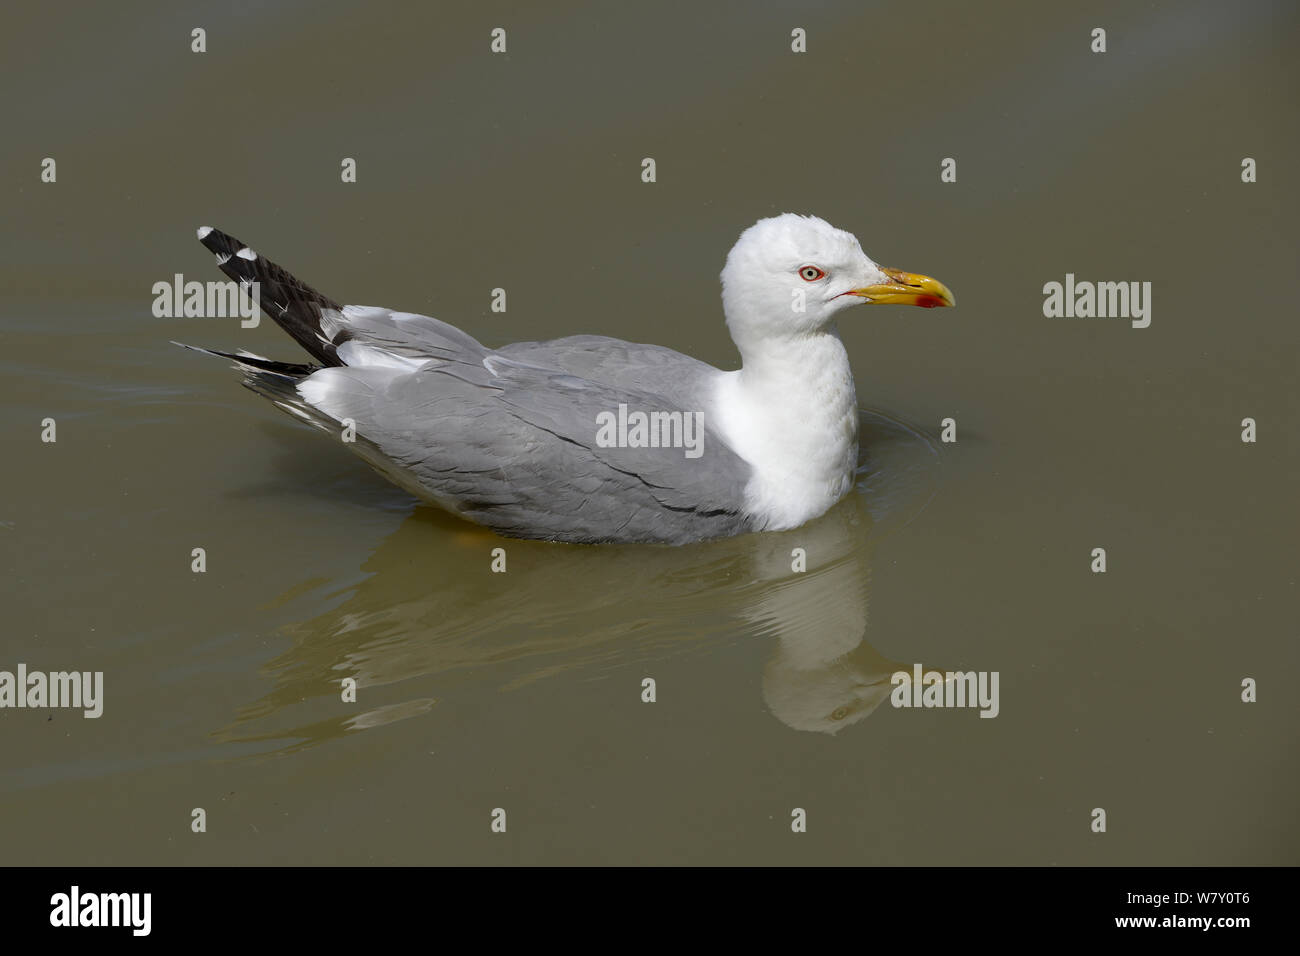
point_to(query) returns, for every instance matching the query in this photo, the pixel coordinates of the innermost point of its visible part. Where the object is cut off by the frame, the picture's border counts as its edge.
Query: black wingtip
(223, 244)
(288, 301)
(247, 360)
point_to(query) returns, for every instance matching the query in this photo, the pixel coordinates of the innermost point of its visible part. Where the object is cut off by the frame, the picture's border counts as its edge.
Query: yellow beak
(907, 288)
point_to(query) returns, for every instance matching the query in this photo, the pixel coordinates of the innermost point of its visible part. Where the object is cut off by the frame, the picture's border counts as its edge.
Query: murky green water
(523, 690)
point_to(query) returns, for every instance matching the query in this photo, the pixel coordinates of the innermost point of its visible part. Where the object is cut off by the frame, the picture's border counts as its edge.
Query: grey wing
(614, 362)
(514, 446)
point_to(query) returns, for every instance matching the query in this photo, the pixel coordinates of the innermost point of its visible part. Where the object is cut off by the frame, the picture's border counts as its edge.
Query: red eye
(811, 274)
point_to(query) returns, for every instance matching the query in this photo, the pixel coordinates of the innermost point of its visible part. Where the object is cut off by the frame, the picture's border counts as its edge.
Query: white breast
(794, 417)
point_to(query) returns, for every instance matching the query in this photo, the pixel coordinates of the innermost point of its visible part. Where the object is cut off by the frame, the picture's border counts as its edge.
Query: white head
(789, 275)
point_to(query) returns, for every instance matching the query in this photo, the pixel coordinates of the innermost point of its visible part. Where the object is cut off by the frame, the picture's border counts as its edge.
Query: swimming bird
(593, 439)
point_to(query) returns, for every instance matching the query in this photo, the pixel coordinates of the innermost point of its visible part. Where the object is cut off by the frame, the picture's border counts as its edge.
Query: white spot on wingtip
(203, 231)
(222, 259)
(246, 253)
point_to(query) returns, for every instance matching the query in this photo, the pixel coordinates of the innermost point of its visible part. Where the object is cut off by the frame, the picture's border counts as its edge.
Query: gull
(521, 439)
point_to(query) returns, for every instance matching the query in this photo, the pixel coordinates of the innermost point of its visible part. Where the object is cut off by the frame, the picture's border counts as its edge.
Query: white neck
(791, 412)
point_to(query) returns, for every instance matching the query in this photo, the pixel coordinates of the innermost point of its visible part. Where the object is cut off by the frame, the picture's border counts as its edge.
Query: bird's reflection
(432, 614)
